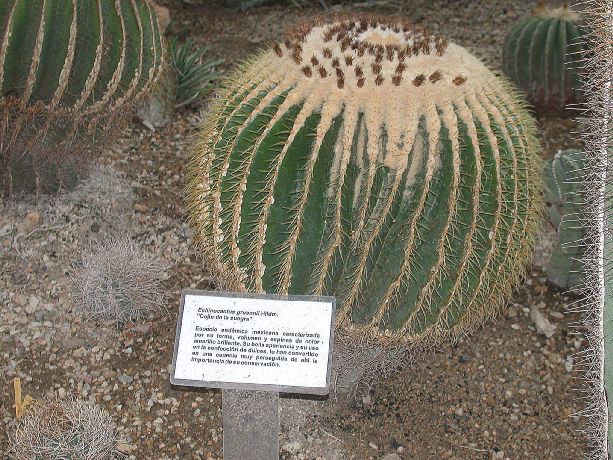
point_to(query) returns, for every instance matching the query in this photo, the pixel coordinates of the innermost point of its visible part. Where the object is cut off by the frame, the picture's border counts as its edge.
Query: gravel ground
(504, 393)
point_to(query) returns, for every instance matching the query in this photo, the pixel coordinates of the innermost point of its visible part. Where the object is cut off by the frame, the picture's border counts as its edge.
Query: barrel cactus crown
(541, 56)
(67, 67)
(367, 159)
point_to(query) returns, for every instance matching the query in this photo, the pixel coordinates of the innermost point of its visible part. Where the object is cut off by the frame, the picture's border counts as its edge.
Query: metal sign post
(253, 347)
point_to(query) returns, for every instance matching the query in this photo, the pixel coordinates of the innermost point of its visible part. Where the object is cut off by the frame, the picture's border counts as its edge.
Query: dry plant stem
(595, 361)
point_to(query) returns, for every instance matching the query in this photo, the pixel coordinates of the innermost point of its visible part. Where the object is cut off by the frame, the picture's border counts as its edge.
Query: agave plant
(195, 76)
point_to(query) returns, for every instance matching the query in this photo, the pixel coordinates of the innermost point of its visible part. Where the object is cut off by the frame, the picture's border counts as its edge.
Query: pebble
(392, 456)
(32, 305)
(126, 379)
(31, 221)
(543, 326)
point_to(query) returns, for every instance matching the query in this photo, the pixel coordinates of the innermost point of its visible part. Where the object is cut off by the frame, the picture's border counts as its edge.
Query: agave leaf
(195, 75)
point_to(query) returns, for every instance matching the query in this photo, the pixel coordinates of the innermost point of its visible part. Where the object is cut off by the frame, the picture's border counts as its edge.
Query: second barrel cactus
(69, 69)
(542, 54)
(367, 159)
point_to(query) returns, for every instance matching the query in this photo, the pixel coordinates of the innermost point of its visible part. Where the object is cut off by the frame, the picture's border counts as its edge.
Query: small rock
(392, 456)
(373, 445)
(543, 326)
(163, 15)
(19, 299)
(124, 448)
(32, 305)
(141, 328)
(125, 379)
(32, 221)
(292, 447)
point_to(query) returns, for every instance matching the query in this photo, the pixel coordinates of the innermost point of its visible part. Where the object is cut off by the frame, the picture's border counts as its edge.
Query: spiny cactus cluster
(68, 70)
(542, 54)
(565, 192)
(65, 429)
(119, 281)
(368, 159)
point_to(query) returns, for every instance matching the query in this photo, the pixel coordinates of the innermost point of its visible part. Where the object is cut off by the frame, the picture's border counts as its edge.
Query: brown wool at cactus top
(368, 159)
(381, 43)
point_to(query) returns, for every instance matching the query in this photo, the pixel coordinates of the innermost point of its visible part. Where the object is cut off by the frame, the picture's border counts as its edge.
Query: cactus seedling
(68, 71)
(371, 160)
(541, 55)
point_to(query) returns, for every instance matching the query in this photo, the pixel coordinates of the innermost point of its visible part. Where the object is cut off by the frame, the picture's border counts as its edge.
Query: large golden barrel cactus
(69, 70)
(367, 159)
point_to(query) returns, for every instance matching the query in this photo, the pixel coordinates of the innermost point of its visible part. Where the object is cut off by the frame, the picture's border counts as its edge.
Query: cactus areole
(369, 160)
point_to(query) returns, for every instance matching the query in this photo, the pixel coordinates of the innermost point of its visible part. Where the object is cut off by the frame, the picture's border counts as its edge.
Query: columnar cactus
(367, 159)
(566, 195)
(67, 67)
(541, 56)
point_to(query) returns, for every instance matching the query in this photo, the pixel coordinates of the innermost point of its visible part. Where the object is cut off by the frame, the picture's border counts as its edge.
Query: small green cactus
(369, 160)
(68, 70)
(541, 56)
(565, 192)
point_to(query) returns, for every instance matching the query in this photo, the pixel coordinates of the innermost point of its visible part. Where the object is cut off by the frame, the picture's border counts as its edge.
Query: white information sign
(256, 342)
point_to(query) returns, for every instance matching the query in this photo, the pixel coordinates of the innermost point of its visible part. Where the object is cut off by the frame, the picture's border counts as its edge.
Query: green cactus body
(369, 160)
(67, 67)
(541, 56)
(565, 192)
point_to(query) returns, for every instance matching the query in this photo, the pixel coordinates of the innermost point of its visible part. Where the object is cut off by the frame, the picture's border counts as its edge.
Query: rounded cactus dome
(370, 160)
